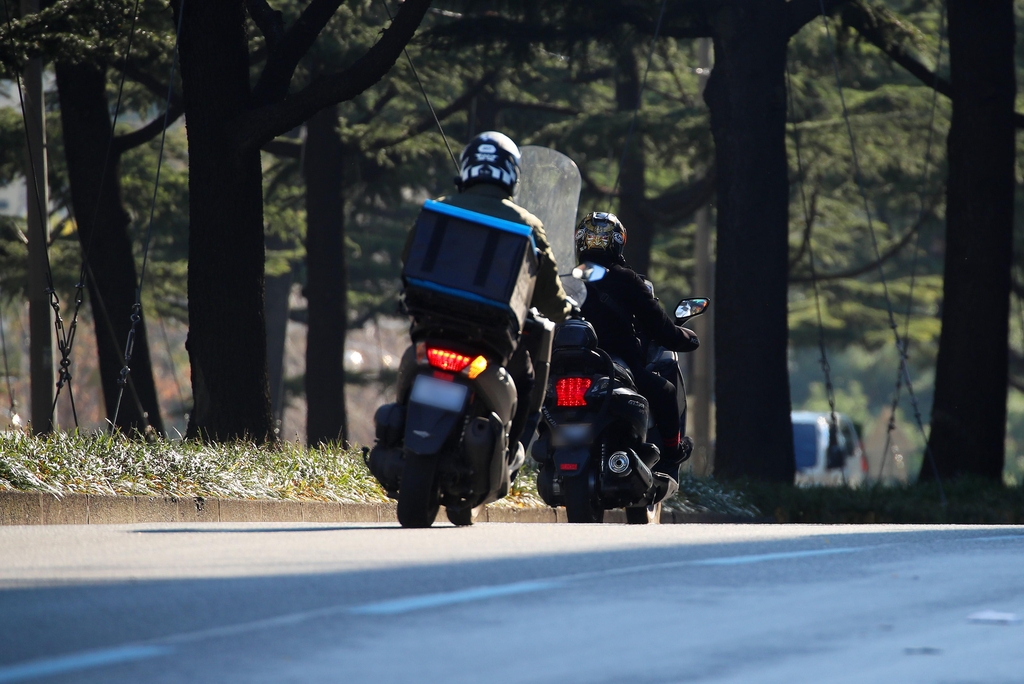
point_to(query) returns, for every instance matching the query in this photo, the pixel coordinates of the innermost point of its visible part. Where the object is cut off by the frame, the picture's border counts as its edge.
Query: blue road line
(409, 604)
(79, 661)
(782, 555)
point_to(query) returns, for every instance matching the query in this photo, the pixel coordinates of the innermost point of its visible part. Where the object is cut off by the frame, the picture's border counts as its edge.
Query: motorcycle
(468, 281)
(596, 449)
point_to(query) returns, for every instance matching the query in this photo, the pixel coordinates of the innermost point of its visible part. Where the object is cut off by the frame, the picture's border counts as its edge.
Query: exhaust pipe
(619, 463)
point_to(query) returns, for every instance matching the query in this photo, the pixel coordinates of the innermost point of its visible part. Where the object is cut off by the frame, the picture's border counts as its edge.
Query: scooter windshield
(549, 188)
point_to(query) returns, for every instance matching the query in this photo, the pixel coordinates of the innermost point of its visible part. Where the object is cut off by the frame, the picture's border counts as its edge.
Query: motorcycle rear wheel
(580, 506)
(461, 518)
(417, 496)
(643, 515)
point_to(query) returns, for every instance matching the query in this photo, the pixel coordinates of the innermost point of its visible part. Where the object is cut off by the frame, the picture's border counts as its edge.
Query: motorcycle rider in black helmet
(488, 176)
(624, 311)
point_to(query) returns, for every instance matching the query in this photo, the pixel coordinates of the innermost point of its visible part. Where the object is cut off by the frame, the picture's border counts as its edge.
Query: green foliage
(71, 30)
(969, 501)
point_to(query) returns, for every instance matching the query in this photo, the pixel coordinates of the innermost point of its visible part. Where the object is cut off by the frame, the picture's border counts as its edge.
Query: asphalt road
(511, 603)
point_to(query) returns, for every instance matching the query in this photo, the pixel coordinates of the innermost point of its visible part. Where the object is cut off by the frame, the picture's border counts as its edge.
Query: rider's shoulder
(524, 216)
(493, 204)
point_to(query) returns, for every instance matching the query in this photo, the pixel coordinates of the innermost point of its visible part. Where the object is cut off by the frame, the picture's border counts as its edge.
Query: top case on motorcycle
(473, 267)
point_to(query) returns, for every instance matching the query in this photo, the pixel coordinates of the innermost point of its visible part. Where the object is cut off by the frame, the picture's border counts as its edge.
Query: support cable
(425, 97)
(904, 349)
(826, 369)
(58, 323)
(129, 346)
(639, 99)
(905, 371)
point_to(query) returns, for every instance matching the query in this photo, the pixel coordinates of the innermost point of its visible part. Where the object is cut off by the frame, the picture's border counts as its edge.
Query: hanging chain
(65, 345)
(904, 349)
(129, 346)
(43, 220)
(904, 370)
(826, 369)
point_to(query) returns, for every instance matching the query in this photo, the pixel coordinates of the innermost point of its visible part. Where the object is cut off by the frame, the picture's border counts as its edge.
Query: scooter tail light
(447, 360)
(571, 391)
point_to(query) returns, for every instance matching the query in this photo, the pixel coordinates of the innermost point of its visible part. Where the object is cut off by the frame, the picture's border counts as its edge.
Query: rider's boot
(668, 466)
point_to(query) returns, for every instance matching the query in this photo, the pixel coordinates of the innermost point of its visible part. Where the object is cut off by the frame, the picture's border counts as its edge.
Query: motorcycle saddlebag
(481, 267)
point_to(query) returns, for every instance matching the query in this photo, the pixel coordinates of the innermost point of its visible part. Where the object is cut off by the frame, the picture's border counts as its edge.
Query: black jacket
(622, 311)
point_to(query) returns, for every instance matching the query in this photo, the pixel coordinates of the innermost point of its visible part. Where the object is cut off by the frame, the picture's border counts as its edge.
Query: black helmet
(600, 234)
(490, 157)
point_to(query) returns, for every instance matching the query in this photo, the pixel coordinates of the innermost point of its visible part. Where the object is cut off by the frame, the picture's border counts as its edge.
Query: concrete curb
(35, 508)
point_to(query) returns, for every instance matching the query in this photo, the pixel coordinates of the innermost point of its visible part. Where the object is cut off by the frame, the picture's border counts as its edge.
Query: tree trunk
(747, 98)
(632, 185)
(278, 291)
(227, 335)
(969, 413)
(103, 233)
(327, 280)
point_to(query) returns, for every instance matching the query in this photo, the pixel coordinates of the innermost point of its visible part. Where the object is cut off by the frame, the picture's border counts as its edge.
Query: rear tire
(644, 515)
(580, 506)
(462, 517)
(417, 496)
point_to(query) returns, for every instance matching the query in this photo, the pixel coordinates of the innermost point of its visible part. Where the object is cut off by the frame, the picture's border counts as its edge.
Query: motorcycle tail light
(571, 391)
(454, 362)
(447, 360)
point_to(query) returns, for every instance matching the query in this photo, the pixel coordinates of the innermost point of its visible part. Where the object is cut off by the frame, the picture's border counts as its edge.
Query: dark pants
(661, 395)
(529, 368)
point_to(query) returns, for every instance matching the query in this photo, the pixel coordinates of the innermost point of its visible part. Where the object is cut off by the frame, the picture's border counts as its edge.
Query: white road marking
(79, 661)
(1002, 537)
(158, 647)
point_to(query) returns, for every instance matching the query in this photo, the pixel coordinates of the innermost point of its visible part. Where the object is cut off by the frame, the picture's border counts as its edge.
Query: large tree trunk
(747, 98)
(969, 413)
(632, 182)
(227, 336)
(278, 291)
(327, 280)
(103, 233)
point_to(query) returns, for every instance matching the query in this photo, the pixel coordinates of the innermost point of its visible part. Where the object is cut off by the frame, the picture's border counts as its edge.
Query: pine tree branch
(678, 205)
(536, 107)
(285, 54)
(671, 207)
(140, 136)
(802, 12)
(283, 148)
(134, 70)
(426, 122)
(263, 124)
(886, 31)
(865, 268)
(269, 21)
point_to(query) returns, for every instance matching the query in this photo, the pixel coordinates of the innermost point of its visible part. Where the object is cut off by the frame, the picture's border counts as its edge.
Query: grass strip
(74, 463)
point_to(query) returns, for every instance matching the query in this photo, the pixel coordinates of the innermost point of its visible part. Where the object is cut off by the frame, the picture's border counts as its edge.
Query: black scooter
(594, 450)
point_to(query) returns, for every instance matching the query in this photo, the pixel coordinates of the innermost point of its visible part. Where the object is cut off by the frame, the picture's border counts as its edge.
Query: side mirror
(688, 308)
(589, 273)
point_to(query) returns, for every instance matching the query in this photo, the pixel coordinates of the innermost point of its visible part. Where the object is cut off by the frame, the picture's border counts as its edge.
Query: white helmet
(490, 157)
